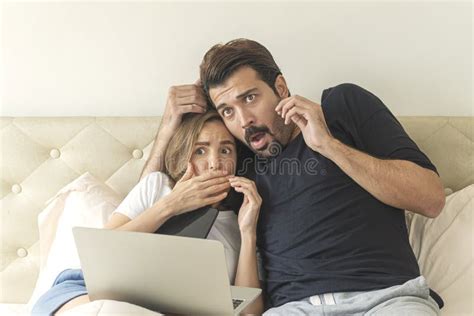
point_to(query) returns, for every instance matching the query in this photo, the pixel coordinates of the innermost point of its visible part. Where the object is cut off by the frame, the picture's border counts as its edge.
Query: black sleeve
(368, 125)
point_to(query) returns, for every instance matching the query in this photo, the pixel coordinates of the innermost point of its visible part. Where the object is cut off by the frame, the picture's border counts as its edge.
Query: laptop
(196, 224)
(164, 273)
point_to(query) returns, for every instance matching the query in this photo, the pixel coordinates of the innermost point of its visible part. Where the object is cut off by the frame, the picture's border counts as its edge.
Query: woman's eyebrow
(226, 142)
(202, 143)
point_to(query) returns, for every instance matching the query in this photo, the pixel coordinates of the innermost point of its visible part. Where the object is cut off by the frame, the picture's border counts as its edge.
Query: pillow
(84, 202)
(448, 191)
(444, 249)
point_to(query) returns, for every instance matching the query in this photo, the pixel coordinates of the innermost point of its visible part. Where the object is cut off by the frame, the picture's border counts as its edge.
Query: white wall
(119, 58)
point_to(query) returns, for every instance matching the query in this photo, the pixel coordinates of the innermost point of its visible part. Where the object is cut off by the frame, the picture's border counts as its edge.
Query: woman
(200, 166)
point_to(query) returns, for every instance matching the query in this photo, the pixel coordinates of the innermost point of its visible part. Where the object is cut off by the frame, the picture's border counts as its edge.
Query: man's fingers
(288, 106)
(183, 88)
(294, 111)
(300, 121)
(191, 99)
(191, 108)
(282, 103)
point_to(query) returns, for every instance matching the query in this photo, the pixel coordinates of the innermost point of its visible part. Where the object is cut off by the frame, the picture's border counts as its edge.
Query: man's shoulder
(343, 88)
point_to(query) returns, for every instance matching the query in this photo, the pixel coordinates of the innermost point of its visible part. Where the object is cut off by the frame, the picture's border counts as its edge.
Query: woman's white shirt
(157, 185)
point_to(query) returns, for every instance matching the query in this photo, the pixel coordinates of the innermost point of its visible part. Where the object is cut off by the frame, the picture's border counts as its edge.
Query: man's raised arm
(181, 100)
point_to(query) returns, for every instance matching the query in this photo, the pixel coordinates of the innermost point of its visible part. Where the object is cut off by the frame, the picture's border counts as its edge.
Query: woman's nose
(214, 164)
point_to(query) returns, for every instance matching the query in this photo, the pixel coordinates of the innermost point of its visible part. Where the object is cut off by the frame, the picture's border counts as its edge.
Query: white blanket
(109, 308)
(95, 308)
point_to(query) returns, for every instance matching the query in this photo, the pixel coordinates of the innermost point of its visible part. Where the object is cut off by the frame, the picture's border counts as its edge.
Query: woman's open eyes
(199, 151)
(226, 151)
(202, 151)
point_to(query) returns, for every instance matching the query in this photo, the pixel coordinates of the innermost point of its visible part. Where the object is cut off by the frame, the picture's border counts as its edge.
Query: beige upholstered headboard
(41, 155)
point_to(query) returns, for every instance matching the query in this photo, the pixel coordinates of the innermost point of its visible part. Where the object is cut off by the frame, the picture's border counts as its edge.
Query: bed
(41, 155)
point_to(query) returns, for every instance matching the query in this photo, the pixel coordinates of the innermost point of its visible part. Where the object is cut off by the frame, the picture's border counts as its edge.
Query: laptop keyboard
(236, 302)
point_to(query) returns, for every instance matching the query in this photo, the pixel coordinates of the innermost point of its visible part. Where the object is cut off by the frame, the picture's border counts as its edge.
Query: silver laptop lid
(160, 272)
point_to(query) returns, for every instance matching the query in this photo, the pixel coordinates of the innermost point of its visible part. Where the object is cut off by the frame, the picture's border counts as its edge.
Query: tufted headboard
(40, 155)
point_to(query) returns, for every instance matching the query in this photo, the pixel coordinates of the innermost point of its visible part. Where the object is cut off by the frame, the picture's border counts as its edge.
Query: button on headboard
(40, 155)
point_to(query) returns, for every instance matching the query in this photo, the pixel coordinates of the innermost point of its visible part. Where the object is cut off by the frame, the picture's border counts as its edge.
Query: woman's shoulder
(157, 177)
(156, 181)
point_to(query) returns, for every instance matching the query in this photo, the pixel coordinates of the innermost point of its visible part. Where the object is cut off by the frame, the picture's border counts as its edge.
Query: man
(331, 231)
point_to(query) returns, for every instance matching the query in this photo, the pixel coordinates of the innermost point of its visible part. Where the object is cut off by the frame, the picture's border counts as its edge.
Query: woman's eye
(226, 150)
(250, 98)
(199, 151)
(227, 112)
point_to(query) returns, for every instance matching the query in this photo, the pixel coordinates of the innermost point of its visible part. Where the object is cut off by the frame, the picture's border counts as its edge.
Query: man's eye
(227, 112)
(250, 98)
(199, 151)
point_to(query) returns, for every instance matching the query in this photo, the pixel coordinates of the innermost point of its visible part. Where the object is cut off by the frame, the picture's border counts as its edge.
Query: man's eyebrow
(245, 93)
(240, 96)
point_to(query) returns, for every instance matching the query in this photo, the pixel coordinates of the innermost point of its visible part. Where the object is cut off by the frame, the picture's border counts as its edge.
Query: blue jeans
(69, 284)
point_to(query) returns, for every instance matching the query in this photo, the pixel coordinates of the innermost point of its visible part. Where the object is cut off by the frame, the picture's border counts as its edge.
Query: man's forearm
(156, 160)
(182, 99)
(398, 183)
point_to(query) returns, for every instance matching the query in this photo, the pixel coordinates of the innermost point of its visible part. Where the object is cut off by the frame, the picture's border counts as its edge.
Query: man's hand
(398, 183)
(309, 117)
(182, 99)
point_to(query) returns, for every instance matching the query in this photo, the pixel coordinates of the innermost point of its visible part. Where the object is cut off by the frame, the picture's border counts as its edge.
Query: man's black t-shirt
(318, 230)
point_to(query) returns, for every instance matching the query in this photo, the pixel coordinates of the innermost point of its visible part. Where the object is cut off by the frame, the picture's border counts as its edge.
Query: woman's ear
(281, 87)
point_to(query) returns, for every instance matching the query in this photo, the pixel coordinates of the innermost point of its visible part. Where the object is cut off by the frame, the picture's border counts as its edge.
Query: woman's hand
(192, 192)
(250, 209)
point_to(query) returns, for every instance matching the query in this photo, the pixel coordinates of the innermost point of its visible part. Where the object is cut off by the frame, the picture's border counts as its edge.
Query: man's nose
(246, 118)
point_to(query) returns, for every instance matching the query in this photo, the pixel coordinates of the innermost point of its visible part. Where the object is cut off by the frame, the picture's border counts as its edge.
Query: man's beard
(276, 145)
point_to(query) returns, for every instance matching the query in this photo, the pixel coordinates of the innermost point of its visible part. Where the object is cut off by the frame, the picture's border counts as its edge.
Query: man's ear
(281, 87)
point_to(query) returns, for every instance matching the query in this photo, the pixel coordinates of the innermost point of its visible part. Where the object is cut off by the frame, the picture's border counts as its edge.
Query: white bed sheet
(95, 308)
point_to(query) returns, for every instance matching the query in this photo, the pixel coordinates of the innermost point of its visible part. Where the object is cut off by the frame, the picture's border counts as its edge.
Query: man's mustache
(252, 130)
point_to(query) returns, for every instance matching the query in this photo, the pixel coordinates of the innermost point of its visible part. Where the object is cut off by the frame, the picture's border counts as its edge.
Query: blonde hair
(180, 148)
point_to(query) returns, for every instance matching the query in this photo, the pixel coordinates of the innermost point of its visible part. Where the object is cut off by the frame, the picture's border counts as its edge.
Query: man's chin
(271, 149)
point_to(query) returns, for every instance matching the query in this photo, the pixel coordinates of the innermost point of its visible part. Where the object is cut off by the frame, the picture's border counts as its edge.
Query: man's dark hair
(222, 60)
